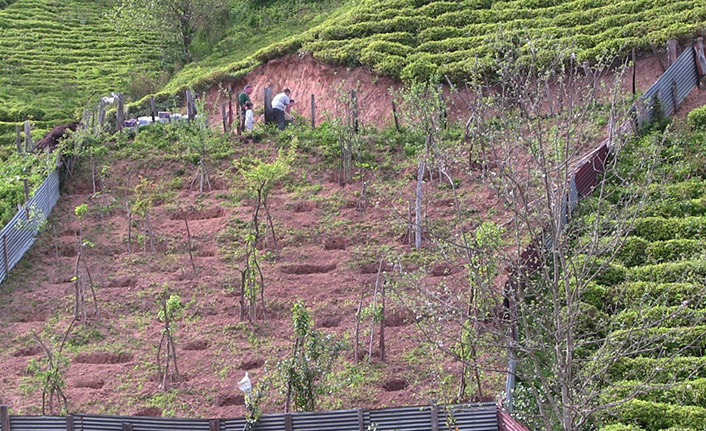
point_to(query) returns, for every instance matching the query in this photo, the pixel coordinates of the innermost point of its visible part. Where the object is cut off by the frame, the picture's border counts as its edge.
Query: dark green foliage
(659, 370)
(661, 229)
(670, 272)
(659, 416)
(696, 118)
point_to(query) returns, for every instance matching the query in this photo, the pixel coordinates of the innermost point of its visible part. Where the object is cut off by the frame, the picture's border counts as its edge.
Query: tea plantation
(418, 38)
(655, 291)
(57, 56)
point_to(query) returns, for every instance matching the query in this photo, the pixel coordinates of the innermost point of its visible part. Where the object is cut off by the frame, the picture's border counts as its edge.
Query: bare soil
(328, 252)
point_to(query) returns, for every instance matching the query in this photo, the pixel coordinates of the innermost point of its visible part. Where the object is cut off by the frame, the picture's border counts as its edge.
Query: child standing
(249, 117)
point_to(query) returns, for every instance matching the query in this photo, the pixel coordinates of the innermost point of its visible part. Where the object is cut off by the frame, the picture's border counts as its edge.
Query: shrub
(670, 272)
(658, 416)
(653, 293)
(661, 229)
(658, 370)
(696, 118)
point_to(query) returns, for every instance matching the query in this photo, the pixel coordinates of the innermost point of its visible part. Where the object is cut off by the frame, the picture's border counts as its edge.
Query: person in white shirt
(279, 105)
(249, 117)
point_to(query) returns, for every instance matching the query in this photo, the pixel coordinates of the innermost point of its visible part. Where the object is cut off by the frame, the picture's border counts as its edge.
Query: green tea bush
(658, 371)
(696, 118)
(670, 272)
(661, 229)
(659, 341)
(639, 293)
(660, 416)
(687, 393)
(668, 316)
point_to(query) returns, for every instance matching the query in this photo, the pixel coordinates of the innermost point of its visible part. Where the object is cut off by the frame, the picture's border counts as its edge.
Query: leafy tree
(305, 370)
(260, 178)
(176, 21)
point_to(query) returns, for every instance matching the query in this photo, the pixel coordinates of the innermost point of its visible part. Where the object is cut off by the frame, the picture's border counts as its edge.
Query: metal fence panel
(402, 419)
(37, 423)
(139, 423)
(270, 423)
(340, 420)
(479, 417)
(19, 234)
(683, 75)
(233, 424)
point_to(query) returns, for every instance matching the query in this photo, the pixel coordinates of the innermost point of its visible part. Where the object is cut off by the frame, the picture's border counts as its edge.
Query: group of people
(281, 104)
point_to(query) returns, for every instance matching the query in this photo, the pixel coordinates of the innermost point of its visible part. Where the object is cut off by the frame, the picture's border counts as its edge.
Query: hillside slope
(58, 56)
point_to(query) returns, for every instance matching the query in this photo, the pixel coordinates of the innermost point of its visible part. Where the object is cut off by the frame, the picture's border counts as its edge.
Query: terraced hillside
(418, 38)
(653, 297)
(57, 56)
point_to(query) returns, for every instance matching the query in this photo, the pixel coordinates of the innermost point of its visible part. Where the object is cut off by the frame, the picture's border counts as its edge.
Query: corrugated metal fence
(670, 90)
(19, 234)
(464, 417)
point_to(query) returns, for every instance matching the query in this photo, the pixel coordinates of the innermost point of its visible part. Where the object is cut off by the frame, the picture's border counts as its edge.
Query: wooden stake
(26, 187)
(188, 240)
(120, 113)
(269, 115)
(394, 115)
(354, 109)
(313, 112)
(634, 72)
(153, 109)
(225, 117)
(672, 50)
(18, 138)
(29, 145)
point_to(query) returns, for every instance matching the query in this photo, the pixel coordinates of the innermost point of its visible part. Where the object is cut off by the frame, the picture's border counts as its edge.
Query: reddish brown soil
(328, 253)
(304, 76)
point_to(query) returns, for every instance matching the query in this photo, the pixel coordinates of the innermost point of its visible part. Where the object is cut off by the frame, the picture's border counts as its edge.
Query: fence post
(69, 423)
(224, 115)
(18, 138)
(120, 113)
(434, 417)
(189, 103)
(394, 115)
(634, 71)
(5, 418)
(26, 187)
(674, 95)
(672, 51)
(288, 422)
(127, 426)
(354, 109)
(29, 145)
(269, 115)
(361, 420)
(153, 109)
(313, 112)
(214, 425)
